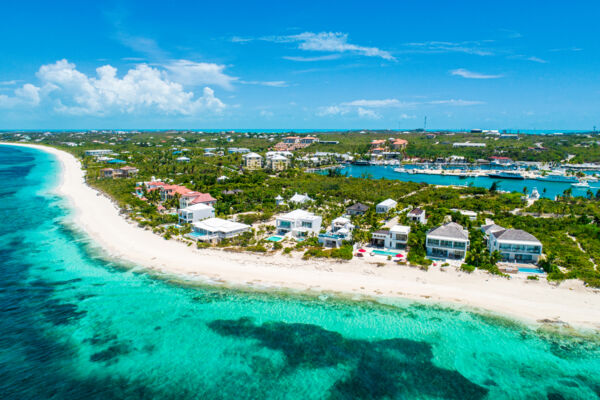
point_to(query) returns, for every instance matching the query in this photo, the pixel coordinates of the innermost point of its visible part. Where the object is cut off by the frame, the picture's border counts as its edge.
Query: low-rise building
(340, 231)
(449, 241)
(399, 144)
(300, 198)
(216, 229)
(513, 244)
(96, 153)
(192, 198)
(252, 161)
(195, 213)
(417, 215)
(394, 238)
(357, 209)
(299, 223)
(278, 163)
(385, 206)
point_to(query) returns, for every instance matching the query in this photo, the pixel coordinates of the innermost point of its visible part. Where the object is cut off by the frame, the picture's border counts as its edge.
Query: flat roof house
(385, 206)
(340, 230)
(513, 244)
(357, 209)
(394, 238)
(195, 213)
(299, 223)
(252, 161)
(450, 241)
(215, 229)
(417, 215)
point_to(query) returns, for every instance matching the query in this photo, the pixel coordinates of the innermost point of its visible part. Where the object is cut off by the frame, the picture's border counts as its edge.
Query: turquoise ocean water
(75, 326)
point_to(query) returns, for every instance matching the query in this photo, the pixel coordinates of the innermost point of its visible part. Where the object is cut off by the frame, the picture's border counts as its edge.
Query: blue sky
(350, 64)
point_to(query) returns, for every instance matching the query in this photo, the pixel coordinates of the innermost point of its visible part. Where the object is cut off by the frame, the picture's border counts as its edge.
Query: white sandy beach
(530, 301)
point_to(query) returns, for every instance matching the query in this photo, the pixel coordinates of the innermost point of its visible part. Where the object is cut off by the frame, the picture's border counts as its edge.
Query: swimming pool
(275, 238)
(531, 270)
(385, 253)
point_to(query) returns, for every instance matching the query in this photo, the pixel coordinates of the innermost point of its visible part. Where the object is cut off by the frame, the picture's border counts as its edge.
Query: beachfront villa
(417, 215)
(97, 153)
(340, 231)
(357, 209)
(192, 198)
(299, 223)
(123, 172)
(449, 241)
(252, 161)
(278, 163)
(300, 198)
(385, 206)
(394, 238)
(195, 213)
(513, 244)
(216, 229)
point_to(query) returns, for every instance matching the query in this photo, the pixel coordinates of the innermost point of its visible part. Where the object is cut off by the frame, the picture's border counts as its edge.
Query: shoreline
(533, 302)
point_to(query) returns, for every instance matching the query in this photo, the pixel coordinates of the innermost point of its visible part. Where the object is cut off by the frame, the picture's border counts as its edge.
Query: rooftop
(450, 230)
(220, 225)
(516, 235)
(299, 214)
(400, 229)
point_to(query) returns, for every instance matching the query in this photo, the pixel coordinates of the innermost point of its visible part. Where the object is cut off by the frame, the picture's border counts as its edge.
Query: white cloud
(26, 95)
(266, 83)
(334, 42)
(8, 83)
(468, 47)
(198, 73)
(366, 113)
(266, 113)
(332, 110)
(374, 103)
(312, 59)
(142, 89)
(472, 75)
(537, 60)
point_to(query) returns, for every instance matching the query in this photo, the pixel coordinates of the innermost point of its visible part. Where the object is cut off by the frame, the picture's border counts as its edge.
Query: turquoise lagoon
(74, 325)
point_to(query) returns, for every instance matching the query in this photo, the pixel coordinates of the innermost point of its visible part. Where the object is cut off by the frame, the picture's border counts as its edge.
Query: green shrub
(532, 278)
(467, 268)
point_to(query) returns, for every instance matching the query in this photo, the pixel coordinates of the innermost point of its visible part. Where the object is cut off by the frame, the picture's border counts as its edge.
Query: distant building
(298, 223)
(357, 209)
(449, 241)
(252, 161)
(300, 198)
(468, 144)
(417, 215)
(96, 153)
(385, 206)
(399, 144)
(278, 163)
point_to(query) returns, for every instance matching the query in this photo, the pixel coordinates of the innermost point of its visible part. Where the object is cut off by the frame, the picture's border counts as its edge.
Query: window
(433, 242)
(306, 224)
(285, 224)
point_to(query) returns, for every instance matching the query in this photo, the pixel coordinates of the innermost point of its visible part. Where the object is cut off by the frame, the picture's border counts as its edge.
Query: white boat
(581, 184)
(400, 169)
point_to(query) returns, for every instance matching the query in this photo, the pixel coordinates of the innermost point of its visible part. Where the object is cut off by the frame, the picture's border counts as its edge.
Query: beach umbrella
(362, 251)
(399, 255)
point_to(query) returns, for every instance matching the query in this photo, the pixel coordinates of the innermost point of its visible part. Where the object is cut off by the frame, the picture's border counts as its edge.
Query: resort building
(449, 241)
(399, 144)
(195, 213)
(278, 163)
(300, 198)
(187, 197)
(299, 223)
(468, 144)
(513, 244)
(385, 206)
(216, 229)
(394, 238)
(357, 209)
(124, 172)
(252, 161)
(340, 231)
(417, 215)
(96, 153)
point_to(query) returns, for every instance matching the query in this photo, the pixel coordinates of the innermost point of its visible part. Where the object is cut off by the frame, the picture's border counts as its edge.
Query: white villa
(215, 229)
(341, 229)
(195, 213)
(277, 162)
(417, 215)
(513, 244)
(252, 161)
(96, 153)
(300, 198)
(449, 241)
(299, 223)
(394, 238)
(385, 206)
